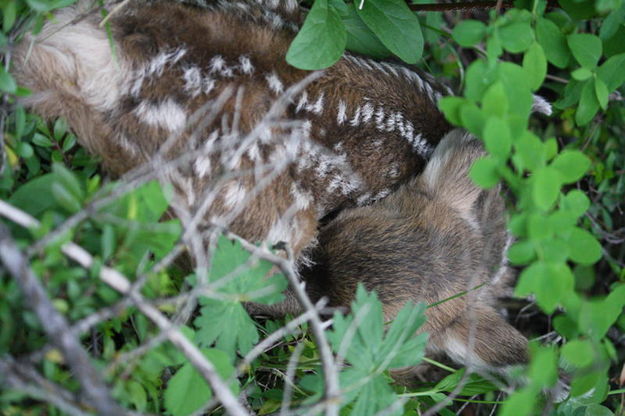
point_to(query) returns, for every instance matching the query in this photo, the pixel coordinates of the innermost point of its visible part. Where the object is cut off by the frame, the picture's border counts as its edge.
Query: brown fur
(434, 238)
(124, 113)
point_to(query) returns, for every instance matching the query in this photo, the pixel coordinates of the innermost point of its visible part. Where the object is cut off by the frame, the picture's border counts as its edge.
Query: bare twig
(118, 282)
(56, 327)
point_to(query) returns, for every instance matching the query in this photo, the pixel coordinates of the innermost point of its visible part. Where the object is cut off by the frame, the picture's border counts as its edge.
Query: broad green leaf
(611, 23)
(549, 282)
(543, 371)
(484, 172)
(35, 196)
(497, 138)
(583, 246)
(588, 104)
(516, 37)
(601, 91)
(137, 395)
(553, 42)
(7, 83)
(472, 118)
(520, 403)
(586, 48)
(546, 183)
(65, 198)
(535, 65)
(360, 38)
(472, 384)
(69, 181)
(495, 101)
(529, 151)
(611, 72)
(450, 106)
(581, 74)
(469, 32)
(321, 40)
(521, 252)
(578, 352)
(571, 164)
(396, 26)
(9, 14)
(187, 391)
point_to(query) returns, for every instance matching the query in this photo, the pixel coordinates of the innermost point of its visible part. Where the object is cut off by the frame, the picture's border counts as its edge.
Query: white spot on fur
(208, 84)
(367, 112)
(301, 199)
(459, 352)
(218, 66)
(317, 106)
(192, 81)
(341, 114)
(542, 106)
(303, 101)
(167, 115)
(234, 195)
(356, 119)
(275, 84)
(202, 166)
(246, 65)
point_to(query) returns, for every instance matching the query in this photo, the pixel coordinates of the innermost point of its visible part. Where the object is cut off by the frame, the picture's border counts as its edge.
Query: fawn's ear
(482, 338)
(447, 173)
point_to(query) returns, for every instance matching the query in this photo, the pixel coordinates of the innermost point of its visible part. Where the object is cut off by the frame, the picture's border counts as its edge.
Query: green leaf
(586, 49)
(520, 403)
(601, 91)
(495, 101)
(583, 247)
(546, 184)
(549, 282)
(64, 198)
(535, 65)
(484, 172)
(240, 277)
(35, 196)
(521, 252)
(321, 40)
(450, 106)
(529, 151)
(497, 138)
(588, 104)
(543, 371)
(7, 83)
(572, 165)
(469, 32)
(581, 74)
(611, 23)
(9, 14)
(396, 26)
(472, 118)
(553, 42)
(578, 352)
(187, 391)
(360, 38)
(69, 181)
(137, 395)
(575, 201)
(516, 37)
(41, 140)
(611, 72)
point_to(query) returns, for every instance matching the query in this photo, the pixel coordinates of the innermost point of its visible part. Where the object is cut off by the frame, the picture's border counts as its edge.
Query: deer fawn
(265, 149)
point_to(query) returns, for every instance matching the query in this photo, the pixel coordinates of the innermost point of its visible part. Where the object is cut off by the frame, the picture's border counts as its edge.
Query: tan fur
(434, 238)
(355, 132)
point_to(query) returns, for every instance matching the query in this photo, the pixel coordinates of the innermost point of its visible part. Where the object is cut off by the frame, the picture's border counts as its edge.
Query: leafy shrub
(566, 178)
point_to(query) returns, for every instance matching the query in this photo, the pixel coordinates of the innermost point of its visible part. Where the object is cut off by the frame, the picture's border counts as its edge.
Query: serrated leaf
(469, 32)
(535, 65)
(553, 42)
(572, 165)
(546, 183)
(583, 247)
(586, 49)
(396, 26)
(321, 40)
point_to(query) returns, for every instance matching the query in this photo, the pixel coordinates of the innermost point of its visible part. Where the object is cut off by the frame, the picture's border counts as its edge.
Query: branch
(56, 327)
(120, 283)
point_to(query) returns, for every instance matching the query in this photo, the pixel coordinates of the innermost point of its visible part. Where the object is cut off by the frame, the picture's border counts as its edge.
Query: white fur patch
(167, 115)
(192, 81)
(341, 114)
(275, 84)
(246, 65)
(459, 352)
(234, 195)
